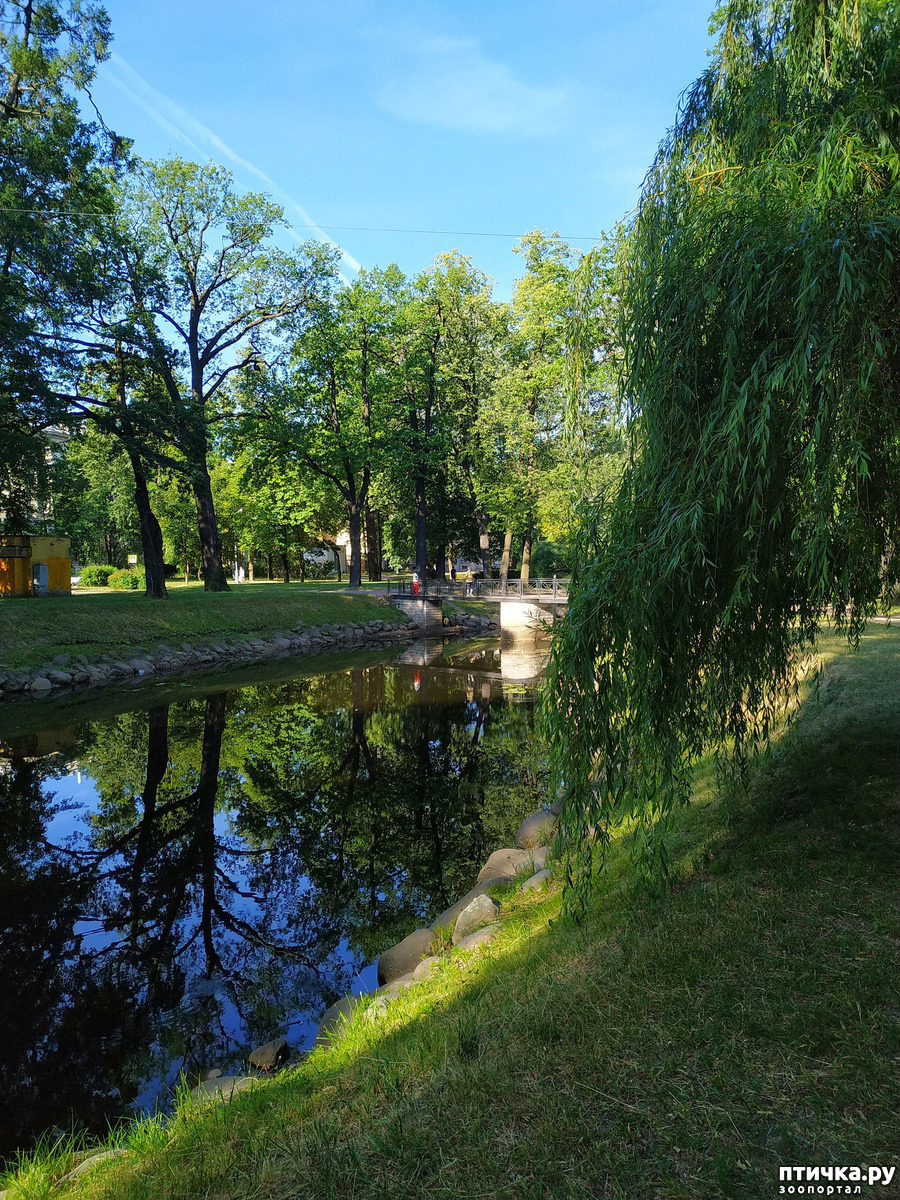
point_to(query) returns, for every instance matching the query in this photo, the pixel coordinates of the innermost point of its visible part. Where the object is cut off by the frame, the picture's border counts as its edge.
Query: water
(179, 883)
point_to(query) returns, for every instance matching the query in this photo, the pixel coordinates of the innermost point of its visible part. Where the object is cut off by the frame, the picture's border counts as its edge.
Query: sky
(367, 117)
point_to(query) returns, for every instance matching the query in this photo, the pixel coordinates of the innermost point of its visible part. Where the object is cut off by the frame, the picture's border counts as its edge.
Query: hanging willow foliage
(761, 325)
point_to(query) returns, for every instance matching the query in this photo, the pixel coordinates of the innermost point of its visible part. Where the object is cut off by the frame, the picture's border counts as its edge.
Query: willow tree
(762, 367)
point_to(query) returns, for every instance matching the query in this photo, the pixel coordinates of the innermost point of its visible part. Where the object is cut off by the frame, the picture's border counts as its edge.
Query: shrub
(95, 576)
(319, 570)
(127, 579)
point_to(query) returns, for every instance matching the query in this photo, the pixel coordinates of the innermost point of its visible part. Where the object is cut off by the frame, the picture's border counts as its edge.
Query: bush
(319, 570)
(127, 579)
(95, 576)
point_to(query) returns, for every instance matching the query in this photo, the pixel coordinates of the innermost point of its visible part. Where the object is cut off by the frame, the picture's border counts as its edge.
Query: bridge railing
(488, 589)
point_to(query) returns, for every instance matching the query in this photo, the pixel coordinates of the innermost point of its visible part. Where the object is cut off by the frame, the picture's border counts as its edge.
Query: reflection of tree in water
(389, 821)
(53, 999)
(246, 855)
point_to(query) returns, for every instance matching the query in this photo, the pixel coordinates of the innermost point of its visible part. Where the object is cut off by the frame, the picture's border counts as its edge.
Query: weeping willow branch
(761, 325)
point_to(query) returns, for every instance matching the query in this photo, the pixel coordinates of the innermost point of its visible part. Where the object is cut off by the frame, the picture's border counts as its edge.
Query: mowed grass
(658, 1051)
(103, 622)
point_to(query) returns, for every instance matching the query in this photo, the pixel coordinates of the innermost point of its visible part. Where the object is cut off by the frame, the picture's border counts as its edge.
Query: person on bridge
(415, 583)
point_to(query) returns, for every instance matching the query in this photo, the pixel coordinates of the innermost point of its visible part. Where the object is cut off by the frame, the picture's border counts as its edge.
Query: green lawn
(101, 622)
(677, 1051)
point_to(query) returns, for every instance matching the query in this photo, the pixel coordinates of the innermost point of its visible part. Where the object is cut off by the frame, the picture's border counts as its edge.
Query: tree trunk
(354, 567)
(374, 544)
(214, 579)
(484, 544)
(187, 571)
(269, 572)
(421, 526)
(250, 566)
(151, 534)
(440, 562)
(507, 547)
(302, 561)
(526, 553)
(285, 566)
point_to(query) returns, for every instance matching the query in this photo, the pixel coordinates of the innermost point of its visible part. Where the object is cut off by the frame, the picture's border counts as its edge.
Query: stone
(93, 1160)
(141, 665)
(481, 937)
(271, 1055)
(223, 1087)
(389, 990)
(63, 660)
(504, 862)
(540, 880)
(426, 967)
(334, 1017)
(60, 677)
(536, 830)
(215, 1073)
(399, 960)
(539, 857)
(447, 919)
(477, 913)
(40, 684)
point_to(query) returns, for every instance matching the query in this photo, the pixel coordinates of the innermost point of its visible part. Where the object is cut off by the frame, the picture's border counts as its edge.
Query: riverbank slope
(105, 623)
(655, 1052)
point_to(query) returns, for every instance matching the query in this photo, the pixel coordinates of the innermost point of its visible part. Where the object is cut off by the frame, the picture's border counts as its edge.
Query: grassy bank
(683, 1050)
(108, 623)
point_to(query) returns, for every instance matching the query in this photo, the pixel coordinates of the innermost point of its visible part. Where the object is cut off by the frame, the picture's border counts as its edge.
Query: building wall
(15, 573)
(55, 552)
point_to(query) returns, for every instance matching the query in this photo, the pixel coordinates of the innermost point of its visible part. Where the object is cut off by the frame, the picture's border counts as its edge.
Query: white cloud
(452, 84)
(194, 134)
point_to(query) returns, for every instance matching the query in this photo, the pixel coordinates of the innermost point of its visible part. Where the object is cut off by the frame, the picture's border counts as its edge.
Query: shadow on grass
(683, 1050)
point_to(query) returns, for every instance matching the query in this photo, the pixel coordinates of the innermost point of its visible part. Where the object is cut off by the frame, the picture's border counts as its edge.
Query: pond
(189, 873)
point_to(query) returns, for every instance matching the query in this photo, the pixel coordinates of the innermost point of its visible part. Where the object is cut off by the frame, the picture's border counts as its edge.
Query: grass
(103, 623)
(677, 1051)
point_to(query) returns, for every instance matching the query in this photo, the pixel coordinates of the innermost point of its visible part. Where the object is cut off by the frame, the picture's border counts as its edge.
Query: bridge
(535, 591)
(527, 606)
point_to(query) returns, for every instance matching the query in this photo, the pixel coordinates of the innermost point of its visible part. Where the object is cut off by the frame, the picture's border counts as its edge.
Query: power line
(40, 212)
(574, 237)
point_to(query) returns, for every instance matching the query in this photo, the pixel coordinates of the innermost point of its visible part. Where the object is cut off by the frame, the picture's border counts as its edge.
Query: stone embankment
(66, 672)
(470, 923)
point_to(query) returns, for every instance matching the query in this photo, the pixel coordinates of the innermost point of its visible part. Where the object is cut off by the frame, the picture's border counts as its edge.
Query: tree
(762, 370)
(329, 411)
(205, 289)
(548, 433)
(92, 499)
(53, 180)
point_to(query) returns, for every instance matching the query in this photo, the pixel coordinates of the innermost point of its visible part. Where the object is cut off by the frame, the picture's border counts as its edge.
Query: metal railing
(485, 589)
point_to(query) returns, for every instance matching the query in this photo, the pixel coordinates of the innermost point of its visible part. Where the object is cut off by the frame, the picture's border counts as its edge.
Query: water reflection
(180, 884)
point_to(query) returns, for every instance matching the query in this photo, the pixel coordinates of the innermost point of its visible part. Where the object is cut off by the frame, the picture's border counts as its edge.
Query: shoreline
(69, 675)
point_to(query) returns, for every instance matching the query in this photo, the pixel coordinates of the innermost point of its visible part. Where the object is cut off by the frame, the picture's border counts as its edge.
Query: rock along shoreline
(68, 673)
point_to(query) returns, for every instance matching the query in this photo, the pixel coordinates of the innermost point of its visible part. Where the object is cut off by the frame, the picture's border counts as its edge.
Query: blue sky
(490, 117)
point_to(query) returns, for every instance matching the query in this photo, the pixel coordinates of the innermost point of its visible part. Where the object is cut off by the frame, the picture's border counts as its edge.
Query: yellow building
(15, 566)
(39, 566)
